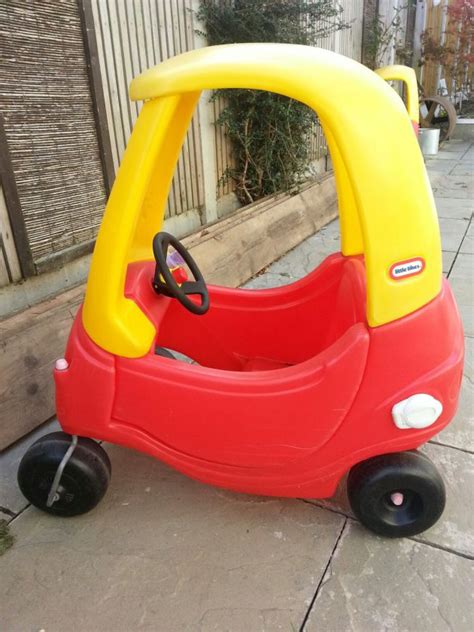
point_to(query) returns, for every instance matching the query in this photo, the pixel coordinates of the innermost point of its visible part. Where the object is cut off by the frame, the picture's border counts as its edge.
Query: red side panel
(85, 391)
(256, 419)
(421, 353)
(283, 431)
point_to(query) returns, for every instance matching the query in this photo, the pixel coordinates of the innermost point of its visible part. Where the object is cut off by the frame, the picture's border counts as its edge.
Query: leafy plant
(269, 133)
(383, 35)
(455, 53)
(6, 538)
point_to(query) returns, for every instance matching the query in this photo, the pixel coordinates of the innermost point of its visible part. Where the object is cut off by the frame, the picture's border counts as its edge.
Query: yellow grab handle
(408, 76)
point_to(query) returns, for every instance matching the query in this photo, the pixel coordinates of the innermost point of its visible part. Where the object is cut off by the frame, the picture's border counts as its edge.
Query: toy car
(347, 370)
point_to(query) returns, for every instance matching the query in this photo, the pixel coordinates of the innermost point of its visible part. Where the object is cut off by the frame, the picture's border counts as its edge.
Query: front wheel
(82, 484)
(396, 495)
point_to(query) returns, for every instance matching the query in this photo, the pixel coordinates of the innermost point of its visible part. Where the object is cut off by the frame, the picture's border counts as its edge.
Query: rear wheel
(83, 482)
(396, 495)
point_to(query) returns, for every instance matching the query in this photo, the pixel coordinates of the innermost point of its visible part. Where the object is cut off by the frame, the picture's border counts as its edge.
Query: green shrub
(269, 133)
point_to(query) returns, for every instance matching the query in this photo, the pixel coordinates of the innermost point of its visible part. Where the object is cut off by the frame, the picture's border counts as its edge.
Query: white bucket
(429, 141)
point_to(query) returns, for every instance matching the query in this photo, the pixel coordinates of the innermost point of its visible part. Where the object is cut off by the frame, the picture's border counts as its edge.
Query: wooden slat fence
(135, 35)
(350, 40)
(435, 25)
(131, 37)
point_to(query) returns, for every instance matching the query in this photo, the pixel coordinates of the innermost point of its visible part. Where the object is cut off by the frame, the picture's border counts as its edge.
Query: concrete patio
(164, 553)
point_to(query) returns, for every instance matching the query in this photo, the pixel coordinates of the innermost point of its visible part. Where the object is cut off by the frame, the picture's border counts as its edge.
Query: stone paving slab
(448, 260)
(298, 262)
(163, 552)
(460, 432)
(456, 187)
(455, 208)
(467, 246)
(301, 267)
(442, 166)
(461, 279)
(469, 155)
(453, 154)
(456, 145)
(452, 232)
(377, 585)
(455, 529)
(461, 170)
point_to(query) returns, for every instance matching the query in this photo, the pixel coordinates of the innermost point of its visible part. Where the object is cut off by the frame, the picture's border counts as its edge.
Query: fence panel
(435, 25)
(131, 37)
(135, 35)
(350, 40)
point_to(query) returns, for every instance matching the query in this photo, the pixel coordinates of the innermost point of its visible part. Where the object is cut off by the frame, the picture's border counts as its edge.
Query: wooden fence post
(419, 27)
(12, 201)
(208, 136)
(95, 80)
(208, 148)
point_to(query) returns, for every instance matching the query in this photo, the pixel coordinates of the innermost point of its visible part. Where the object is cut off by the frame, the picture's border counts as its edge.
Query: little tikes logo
(407, 268)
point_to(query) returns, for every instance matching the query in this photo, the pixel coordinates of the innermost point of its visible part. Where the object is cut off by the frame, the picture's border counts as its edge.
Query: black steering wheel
(164, 282)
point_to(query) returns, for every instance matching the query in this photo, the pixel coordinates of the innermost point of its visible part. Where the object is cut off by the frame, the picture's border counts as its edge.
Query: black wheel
(396, 495)
(84, 480)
